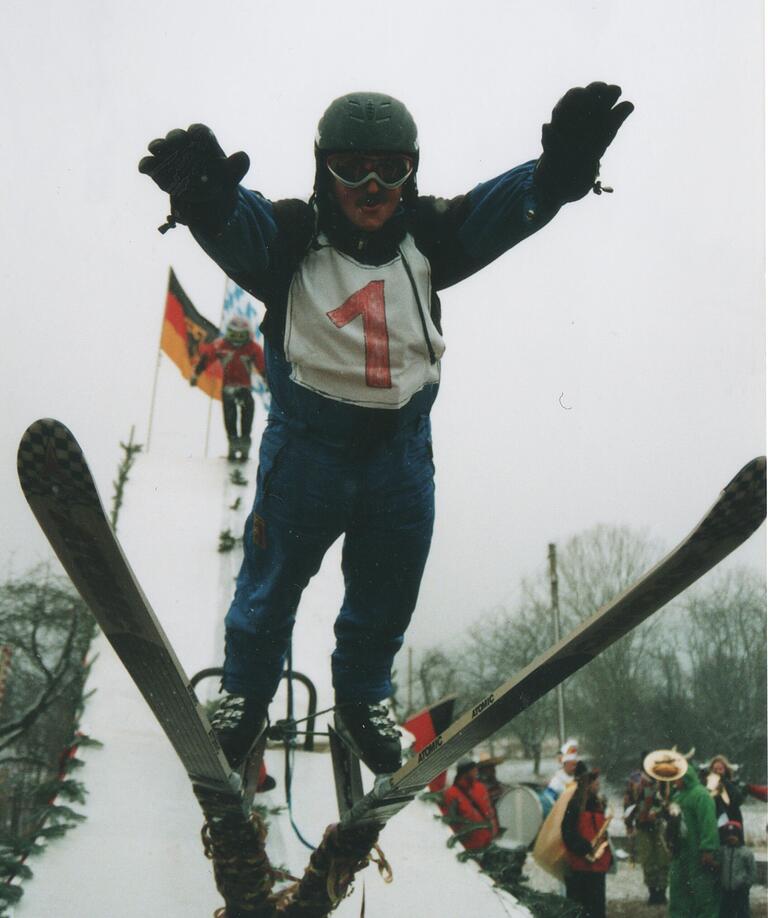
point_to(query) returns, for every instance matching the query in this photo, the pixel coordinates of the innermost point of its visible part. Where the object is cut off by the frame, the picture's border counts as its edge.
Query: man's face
(570, 766)
(368, 207)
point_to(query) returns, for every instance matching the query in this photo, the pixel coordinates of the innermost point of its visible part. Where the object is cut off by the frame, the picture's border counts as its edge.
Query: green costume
(693, 891)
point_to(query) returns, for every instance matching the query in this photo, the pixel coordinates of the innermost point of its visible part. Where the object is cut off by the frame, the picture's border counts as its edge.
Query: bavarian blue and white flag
(238, 302)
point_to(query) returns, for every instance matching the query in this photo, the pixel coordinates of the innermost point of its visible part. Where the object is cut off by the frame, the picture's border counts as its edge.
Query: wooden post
(556, 619)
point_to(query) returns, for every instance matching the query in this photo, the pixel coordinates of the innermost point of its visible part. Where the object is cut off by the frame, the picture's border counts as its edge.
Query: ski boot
(370, 733)
(244, 448)
(232, 452)
(239, 722)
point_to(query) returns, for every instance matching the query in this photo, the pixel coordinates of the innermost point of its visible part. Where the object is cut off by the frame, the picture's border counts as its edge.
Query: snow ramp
(139, 851)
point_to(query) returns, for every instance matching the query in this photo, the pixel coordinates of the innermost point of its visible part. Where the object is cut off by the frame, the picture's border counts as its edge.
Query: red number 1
(369, 303)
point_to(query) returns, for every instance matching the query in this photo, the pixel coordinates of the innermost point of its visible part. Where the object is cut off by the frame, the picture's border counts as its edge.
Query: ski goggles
(357, 169)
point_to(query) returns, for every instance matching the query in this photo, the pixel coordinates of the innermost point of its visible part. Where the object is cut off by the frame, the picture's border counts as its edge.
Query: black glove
(584, 122)
(193, 169)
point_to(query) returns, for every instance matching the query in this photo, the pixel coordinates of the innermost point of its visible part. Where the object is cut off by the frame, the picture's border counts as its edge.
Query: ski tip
(50, 462)
(742, 503)
(45, 426)
(751, 481)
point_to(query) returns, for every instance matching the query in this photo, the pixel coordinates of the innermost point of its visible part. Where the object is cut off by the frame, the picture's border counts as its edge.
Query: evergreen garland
(53, 819)
(505, 867)
(130, 450)
(227, 541)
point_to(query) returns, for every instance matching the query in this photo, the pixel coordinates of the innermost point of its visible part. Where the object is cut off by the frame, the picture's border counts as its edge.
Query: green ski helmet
(367, 121)
(238, 331)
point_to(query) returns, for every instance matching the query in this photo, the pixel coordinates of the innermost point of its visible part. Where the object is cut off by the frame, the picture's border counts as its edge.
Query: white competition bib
(354, 333)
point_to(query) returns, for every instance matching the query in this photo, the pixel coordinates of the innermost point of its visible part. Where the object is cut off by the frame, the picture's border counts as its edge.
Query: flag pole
(208, 426)
(157, 365)
(210, 398)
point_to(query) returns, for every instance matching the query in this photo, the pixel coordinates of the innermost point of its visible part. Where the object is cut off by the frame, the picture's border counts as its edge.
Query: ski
(737, 513)
(60, 490)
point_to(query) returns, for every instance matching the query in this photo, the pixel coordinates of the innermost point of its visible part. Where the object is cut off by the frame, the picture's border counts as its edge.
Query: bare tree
(726, 662)
(45, 632)
(502, 644)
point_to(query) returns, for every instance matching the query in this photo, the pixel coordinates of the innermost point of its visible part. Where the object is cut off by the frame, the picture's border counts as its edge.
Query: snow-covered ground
(139, 851)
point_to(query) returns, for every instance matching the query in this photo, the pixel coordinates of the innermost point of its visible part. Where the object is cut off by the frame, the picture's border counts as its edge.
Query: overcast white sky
(608, 370)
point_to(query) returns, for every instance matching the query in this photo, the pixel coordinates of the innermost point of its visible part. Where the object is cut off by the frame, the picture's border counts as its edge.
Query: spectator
(466, 804)
(737, 872)
(584, 831)
(725, 792)
(692, 836)
(560, 780)
(486, 773)
(646, 827)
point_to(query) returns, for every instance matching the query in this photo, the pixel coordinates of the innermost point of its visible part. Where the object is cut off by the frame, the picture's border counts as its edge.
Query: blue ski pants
(309, 493)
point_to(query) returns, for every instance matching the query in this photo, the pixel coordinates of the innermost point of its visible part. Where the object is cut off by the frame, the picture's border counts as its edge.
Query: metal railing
(309, 739)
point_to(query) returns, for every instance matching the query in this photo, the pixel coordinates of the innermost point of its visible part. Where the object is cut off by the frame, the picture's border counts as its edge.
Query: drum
(520, 815)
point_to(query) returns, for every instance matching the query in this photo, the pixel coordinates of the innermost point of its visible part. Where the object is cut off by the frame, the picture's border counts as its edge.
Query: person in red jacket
(467, 802)
(239, 356)
(585, 835)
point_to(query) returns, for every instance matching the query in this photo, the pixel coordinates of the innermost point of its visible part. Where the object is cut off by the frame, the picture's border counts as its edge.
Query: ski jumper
(353, 345)
(237, 362)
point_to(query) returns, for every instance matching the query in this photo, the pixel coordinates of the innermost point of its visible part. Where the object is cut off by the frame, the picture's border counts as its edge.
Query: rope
(289, 797)
(235, 844)
(288, 742)
(383, 865)
(343, 852)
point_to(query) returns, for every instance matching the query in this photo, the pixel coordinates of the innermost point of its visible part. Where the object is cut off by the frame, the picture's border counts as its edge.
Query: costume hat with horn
(665, 764)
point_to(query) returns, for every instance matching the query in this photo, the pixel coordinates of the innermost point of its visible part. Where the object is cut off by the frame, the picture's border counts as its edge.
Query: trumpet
(600, 841)
(716, 787)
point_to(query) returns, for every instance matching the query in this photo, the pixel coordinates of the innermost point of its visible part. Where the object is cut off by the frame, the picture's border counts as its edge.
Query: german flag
(427, 725)
(183, 331)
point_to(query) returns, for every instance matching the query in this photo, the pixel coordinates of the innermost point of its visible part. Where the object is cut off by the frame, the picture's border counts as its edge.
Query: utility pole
(556, 619)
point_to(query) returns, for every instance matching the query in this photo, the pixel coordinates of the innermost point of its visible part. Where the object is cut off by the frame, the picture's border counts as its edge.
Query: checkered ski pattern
(50, 462)
(740, 508)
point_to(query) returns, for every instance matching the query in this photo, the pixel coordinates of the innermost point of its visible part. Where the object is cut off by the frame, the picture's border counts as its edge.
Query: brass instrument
(600, 841)
(716, 787)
